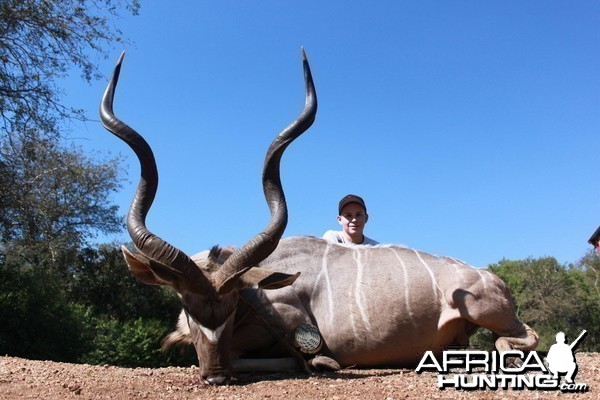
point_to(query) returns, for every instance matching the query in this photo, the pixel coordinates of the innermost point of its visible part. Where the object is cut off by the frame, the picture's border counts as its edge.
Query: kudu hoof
(216, 380)
(323, 363)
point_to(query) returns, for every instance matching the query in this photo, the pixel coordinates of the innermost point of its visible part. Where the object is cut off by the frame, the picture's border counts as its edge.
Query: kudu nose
(217, 380)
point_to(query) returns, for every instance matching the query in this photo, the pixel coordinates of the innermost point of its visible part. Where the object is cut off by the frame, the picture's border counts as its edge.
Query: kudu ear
(254, 277)
(148, 271)
(262, 278)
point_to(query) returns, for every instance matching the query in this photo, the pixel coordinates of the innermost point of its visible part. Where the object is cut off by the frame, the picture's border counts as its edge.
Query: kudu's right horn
(162, 255)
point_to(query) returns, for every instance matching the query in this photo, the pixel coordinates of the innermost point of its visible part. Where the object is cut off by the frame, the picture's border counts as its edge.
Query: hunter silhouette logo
(481, 370)
(561, 358)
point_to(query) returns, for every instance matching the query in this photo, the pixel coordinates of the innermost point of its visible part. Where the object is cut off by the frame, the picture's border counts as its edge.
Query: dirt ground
(27, 379)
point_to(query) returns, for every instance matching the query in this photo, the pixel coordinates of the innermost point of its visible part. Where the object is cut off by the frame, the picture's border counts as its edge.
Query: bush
(98, 315)
(100, 279)
(133, 343)
(552, 298)
(37, 320)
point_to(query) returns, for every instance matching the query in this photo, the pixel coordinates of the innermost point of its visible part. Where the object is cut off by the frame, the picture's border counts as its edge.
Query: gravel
(28, 379)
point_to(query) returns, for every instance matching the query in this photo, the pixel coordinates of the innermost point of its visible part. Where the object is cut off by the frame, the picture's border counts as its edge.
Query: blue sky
(471, 129)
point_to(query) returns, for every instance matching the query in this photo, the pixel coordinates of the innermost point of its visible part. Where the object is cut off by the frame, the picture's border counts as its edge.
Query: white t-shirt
(338, 237)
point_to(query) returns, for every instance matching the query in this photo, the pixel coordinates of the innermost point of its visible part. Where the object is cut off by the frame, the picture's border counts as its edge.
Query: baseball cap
(351, 198)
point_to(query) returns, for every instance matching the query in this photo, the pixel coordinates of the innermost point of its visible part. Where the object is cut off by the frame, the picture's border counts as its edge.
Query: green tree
(101, 281)
(41, 41)
(59, 298)
(130, 318)
(132, 343)
(53, 198)
(551, 297)
(586, 283)
(37, 319)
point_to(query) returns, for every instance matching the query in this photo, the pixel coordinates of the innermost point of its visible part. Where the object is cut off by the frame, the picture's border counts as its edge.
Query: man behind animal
(352, 216)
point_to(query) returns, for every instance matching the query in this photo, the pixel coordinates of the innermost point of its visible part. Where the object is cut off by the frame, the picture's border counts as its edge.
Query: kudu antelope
(374, 306)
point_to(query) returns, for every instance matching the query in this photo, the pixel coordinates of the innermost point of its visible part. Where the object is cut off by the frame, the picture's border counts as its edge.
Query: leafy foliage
(586, 284)
(37, 319)
(40, 41)
(54, 198)
(129, 318)
(101, 281)
(132, 343)
(553, 298)
(99, 315)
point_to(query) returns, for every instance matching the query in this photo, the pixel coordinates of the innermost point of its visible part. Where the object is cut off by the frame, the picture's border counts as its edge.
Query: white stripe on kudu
(358, 295)
(434, 283)
(325, 273)
(406, 288)
(483, 280)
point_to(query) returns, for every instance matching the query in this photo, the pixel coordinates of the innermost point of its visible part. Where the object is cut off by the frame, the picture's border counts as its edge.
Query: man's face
(353, 219)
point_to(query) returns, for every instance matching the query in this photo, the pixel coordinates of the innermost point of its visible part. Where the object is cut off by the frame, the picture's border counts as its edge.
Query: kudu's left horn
(164, 258)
